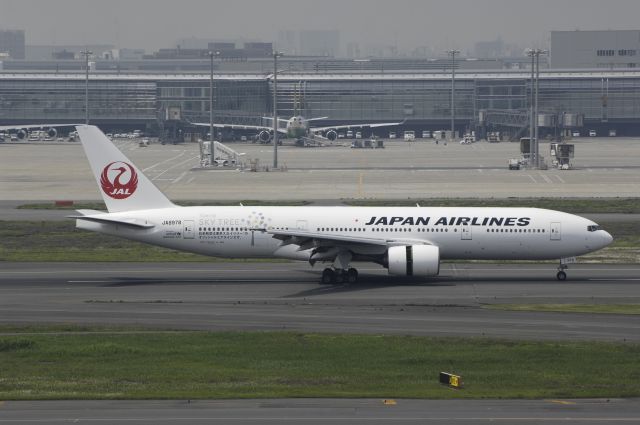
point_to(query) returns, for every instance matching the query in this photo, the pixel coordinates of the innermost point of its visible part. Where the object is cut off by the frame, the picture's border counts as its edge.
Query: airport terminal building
(606, 99)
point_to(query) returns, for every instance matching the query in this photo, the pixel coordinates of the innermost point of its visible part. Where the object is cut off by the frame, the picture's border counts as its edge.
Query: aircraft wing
(239, 126)
(348, 126)
(307, 239)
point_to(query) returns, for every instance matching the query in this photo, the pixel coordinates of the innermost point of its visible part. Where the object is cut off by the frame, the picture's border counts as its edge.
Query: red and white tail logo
(119, 180)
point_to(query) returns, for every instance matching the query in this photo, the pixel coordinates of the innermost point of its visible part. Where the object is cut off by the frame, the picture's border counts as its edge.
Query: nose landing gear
(562, 275)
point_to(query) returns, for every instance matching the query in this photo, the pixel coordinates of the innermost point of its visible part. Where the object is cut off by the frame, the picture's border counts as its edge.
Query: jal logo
(119, 180)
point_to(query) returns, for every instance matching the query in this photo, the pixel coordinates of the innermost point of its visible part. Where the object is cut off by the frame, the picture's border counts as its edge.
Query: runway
(323, 411)
(287, 296)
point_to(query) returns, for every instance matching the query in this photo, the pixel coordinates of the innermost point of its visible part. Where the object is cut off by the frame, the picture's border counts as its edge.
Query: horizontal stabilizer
(105, 219)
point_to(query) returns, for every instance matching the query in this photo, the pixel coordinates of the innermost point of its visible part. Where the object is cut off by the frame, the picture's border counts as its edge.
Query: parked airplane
(297, 127)
(408, 241)
(22, 131)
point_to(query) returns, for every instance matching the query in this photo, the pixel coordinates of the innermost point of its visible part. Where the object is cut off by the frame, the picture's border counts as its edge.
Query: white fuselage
(460, 233)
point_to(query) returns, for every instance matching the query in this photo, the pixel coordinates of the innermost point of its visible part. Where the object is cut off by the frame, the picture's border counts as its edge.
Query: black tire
(328, 276)
(561, 275)
(352, 276)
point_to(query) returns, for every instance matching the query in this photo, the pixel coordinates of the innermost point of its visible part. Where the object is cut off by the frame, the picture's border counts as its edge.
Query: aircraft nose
(606, 238)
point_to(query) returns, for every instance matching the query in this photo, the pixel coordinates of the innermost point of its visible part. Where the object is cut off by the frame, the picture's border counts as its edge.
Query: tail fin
(122, 185)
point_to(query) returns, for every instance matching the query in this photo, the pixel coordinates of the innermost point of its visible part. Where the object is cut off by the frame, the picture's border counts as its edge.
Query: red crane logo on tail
(112, 176)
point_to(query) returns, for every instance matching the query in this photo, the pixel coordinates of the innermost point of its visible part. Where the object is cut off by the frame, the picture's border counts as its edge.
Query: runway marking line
(564, 402)
(162, 162)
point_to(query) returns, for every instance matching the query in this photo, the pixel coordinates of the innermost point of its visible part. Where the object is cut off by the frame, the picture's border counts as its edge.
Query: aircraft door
(554, 231)
(188, 229)
(301, 225)
(466, 233)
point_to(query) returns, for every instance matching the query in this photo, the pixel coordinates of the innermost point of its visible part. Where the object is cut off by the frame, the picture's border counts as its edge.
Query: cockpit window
(593, 228)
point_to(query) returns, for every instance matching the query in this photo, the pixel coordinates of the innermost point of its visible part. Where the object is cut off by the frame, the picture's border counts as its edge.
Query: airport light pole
(276, 55)
(534, 54)
(538, 53)
(453, 54)
(212, 147)
(86, 53)
(531, 54)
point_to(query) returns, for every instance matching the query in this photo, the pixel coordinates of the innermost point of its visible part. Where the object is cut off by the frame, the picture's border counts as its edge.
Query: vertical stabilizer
(122, 185)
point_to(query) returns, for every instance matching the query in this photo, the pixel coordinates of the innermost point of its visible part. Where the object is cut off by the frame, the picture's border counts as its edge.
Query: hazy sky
(441, 24)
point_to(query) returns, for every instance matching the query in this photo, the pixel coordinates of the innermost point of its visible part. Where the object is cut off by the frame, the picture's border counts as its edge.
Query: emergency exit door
(188, 229)
(555, 231)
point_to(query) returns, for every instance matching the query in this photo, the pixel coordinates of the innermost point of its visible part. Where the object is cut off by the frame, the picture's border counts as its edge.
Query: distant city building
(489, 49)
(42, 52)
(12, 42)
(310, 42)
(595, 49)
(130, 54)
(258, 49)
(224, 49)
(63, 54)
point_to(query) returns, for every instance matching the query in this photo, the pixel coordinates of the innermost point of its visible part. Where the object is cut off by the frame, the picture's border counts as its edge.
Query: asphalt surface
(604, 167)
(287, 296)
(324, 411)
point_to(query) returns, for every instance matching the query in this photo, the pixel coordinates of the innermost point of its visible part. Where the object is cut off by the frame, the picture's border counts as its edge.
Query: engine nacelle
(331, 135)
(264, 136)
(414, 260)
(22, 134)
(52, 132)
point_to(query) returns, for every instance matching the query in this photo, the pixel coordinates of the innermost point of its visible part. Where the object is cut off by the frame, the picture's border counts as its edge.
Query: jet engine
(331, 135)
(414, 260)
(22, 134)
(264, 136)
(52, 132)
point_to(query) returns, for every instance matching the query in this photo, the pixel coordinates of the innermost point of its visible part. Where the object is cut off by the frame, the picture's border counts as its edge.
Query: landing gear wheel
(328, 276)
(352, 275)
(561, 275)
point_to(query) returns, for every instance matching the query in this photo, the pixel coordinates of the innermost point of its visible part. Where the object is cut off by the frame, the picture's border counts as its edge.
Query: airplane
(22, 131)
(408, 241)
(297, 127)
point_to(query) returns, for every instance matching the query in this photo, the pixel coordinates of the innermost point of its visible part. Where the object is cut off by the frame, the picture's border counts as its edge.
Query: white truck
(409, 136)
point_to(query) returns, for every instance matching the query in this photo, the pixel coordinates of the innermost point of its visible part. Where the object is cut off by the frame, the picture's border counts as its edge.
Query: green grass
(571, 308)
(277, 364)
(570, 205)
(61, 241)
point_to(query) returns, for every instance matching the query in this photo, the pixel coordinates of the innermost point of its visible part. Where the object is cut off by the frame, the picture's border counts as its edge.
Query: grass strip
(570, 308)
(279, 364)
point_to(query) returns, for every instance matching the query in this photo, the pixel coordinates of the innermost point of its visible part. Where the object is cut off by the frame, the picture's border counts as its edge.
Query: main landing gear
(331, 276)
(340, 272)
